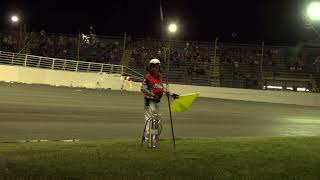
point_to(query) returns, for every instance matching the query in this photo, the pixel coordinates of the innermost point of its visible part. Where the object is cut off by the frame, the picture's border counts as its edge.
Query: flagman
(152, 88)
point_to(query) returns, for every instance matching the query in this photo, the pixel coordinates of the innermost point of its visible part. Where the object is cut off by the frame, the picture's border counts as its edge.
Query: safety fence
(9, 58)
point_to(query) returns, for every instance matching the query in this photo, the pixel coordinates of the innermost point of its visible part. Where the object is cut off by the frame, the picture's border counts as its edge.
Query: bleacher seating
(190, 62)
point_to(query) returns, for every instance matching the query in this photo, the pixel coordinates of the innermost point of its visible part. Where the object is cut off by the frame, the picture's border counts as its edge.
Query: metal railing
(18, 59)
(135, 75)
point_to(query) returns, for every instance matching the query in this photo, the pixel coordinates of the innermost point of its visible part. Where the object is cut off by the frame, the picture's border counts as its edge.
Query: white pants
(150, 110)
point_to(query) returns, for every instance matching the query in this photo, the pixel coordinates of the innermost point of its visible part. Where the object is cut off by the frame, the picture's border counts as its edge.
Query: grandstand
(195, 63)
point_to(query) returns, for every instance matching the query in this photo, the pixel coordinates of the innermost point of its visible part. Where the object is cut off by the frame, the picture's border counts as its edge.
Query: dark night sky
(274, 21)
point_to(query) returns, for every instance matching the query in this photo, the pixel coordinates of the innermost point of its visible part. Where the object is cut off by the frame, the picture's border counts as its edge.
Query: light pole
(15, 20)
(172, 28)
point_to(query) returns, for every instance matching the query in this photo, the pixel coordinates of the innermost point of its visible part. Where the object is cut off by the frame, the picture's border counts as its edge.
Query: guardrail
(18, 59)
(136, 76)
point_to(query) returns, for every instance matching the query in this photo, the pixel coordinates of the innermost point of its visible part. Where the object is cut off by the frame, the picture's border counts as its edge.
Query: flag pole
(168, 97)
(167, 71)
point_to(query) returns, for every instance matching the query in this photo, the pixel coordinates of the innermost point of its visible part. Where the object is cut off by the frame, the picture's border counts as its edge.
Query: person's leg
(147, 115)
(150, 109)
(154, 107)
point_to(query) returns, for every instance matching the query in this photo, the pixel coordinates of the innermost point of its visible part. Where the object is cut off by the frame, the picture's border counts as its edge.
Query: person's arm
(145, 90)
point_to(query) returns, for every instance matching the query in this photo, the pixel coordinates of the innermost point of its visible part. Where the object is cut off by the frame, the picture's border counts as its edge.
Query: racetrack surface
(46, 112)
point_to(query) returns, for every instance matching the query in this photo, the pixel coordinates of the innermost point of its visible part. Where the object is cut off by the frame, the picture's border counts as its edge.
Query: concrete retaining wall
(283, 97)
(116, 82)
(59, 78)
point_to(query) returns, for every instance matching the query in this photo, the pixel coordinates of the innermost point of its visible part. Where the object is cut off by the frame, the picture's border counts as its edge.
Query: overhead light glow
(14, 18)
(172, 28)
(313, 11)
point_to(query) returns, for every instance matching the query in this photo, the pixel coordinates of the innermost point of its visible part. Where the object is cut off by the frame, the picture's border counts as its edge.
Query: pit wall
(117, 82)
(59, 78)
(282, 97)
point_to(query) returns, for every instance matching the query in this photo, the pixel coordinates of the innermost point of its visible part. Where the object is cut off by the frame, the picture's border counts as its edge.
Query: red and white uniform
(155, 85)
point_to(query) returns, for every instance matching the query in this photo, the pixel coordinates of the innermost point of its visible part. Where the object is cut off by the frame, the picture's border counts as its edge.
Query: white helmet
(154, 61)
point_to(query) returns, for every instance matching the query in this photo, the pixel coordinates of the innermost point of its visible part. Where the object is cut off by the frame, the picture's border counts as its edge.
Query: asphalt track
(45, 112)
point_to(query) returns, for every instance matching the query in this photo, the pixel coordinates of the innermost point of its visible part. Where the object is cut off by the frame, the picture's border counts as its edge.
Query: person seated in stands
(317, 64)
(292, 67)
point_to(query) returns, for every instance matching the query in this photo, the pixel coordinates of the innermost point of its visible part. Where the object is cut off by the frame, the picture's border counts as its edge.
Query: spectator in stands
(8, 42)
(292, 68)
(235, 65)
(153, 89)
(317, 64)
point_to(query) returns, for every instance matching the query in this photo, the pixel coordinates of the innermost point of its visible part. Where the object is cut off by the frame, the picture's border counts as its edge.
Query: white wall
(283, 97)
(59, 78)
(115, 82)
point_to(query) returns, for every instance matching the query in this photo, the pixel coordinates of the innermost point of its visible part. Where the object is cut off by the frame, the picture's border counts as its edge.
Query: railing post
(12, 58)
(261, 58)
(64, 65)
(38, 63)
(261, 64)
(25, 60)
(52, 66)
(101, 68)
(88, 67)
(111, 68)
(121, 70)
(77, 66)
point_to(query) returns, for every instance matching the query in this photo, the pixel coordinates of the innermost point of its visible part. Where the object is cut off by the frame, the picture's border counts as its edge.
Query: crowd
(91, 48)
(242, 64)
(237, 62)
(183, 55)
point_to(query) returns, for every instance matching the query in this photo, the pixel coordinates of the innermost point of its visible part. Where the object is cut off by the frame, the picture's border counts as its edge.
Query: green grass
(219, 158)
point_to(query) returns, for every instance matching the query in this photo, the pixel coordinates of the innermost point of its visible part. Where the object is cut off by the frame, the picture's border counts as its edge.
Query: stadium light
(14, 18)
(172, 28)
(313, 11)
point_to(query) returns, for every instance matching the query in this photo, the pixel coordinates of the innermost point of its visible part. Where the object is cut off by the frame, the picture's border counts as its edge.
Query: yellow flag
(184, 102)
